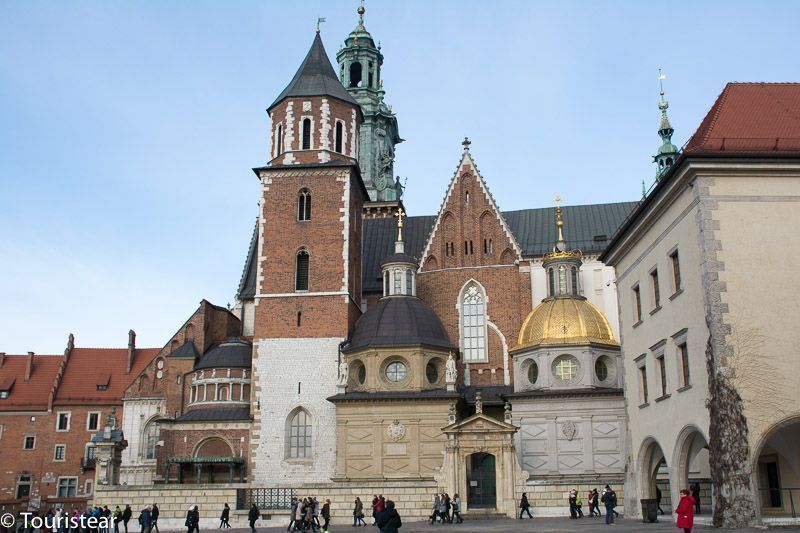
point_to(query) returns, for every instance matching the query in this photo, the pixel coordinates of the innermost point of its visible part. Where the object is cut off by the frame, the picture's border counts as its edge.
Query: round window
(601, 369)
(396, 371)
(533, 372)
(565, 368)
(432, 372)
(361, 374)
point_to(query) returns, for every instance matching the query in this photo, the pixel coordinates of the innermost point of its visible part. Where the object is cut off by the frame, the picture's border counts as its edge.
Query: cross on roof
(466, 143)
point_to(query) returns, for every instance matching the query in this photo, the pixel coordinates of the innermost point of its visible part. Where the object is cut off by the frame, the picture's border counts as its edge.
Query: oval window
(396, 372)
(361, 374)
(601, 369)
(432, 372)
(533, 372)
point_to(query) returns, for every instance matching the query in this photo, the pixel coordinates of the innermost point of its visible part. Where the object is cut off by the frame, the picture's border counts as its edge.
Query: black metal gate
(481, 481)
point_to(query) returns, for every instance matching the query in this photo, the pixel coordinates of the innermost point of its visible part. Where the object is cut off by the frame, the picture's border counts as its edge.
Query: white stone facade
(291, 374)
(137, 412)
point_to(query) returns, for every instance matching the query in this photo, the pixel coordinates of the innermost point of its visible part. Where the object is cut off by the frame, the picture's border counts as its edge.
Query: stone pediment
(480, 423)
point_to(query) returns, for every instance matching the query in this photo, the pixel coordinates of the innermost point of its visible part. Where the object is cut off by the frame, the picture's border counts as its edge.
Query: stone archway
(776, 470)
(691, 446)
(651, 462)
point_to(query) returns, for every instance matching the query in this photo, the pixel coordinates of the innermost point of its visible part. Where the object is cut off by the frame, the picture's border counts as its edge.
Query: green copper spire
(667, 152)
(360, 62)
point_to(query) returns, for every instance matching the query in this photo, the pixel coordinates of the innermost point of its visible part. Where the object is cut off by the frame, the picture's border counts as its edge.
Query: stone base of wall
(551, 498)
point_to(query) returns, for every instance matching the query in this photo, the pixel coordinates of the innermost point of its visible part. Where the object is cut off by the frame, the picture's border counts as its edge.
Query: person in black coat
(225, 516)
(126, 516)
(388, 521)
(193, 520)
(252, 516)
(524, 506)
(154, 517)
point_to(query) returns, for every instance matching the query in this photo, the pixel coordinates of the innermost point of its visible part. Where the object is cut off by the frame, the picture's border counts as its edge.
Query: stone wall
(549, 498)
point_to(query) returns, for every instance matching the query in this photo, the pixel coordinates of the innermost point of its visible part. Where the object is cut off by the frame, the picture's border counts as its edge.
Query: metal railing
(772, 500)
(88, 463)
(265, 499)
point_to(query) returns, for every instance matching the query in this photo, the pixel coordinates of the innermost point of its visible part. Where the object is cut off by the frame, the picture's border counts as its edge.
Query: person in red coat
(685, 512)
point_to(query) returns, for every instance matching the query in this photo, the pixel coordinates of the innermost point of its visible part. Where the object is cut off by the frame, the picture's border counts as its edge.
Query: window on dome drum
(304, 205)
(306, 134)
(355, 74)
(151, 434)
(601, 369)
(637, 303)
(67, 487)
(562, 280)
(386, 284)
(565, 368)
(396, 372)
(656, 290)
(278, 140)
(371, 75)
(338, 139)
(551, 280)
(301, 276)
(683, 350)
(398, 280)
(409, 282)
(574, 279)
(300, 435)
(222, 394)
(533, 373)
(473, 324)
(676, 271)
(361, 373)
(432, 372)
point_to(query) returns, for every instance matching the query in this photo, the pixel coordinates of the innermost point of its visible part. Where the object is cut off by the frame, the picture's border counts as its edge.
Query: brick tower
(308, 284)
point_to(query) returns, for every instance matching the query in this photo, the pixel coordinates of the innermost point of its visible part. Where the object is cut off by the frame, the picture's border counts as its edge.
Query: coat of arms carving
(396, 431)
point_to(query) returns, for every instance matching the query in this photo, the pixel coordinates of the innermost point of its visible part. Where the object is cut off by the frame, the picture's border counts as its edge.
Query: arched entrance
(690, 462)
(776, 472)
(481, 481)
(654, 474)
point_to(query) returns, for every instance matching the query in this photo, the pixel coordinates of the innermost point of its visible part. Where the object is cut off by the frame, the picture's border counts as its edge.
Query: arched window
(278, 140)
(355, 74)
(397, 282)
(301, 273)
(299, 434)
(222, 394)
(551, 281)
(306, 134)
(409, 282)
(304, 205)
(562, 280)
(151, 433)
(574, 280)
(339, 135)
(473, 323)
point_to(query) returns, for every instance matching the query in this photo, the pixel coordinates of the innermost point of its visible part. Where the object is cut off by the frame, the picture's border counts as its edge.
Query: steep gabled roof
(316, 77)
(751, 118)
(32, 395)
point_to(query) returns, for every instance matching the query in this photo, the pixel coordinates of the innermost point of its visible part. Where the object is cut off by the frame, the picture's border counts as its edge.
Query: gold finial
(559, 223)
(400, 214)
(360, 12)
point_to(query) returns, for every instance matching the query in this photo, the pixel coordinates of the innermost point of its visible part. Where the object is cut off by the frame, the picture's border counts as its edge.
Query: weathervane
(320, 20)
(661, 77)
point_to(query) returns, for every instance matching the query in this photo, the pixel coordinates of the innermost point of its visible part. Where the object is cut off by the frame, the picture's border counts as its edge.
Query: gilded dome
(558, 321)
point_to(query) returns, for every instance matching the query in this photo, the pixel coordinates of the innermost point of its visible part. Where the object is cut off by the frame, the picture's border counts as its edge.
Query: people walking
(573, 514)
(292, 516)
(126, 517)
(389, 521)
(154, 517)
(595, 497)
(117, 518)
(435, 510)
(524, 506)
(315, 510)
(658, 500)
(578, 504)
(358, 513)
(225, 517)
(457, 508)
(252, 517)
(145, 520)
(685, 512)
(193, 520)
(326, 515)
(375, 501)
(610, 501)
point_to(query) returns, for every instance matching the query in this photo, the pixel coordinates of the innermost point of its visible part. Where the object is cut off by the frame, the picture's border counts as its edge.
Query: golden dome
(565, 321)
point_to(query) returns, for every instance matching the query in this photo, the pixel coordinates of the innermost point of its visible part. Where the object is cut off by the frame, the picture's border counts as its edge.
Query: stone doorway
(481, 481)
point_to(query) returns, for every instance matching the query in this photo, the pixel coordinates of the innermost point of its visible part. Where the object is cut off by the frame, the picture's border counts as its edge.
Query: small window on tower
(355, 74)
(339, 134)
(371, 77)
(301, 275)
(306, 134)
(304, 205)
(279, 140)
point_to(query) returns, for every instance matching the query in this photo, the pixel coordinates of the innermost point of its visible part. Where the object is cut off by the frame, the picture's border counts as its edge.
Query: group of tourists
(305, 515)
(446, 510)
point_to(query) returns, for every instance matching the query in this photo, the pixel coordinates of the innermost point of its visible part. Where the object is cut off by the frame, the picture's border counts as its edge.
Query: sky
(128, 130)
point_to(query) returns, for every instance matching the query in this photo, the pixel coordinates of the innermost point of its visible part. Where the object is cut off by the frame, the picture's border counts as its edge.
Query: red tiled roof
(89, 366)
(751, 118)
(33, 395)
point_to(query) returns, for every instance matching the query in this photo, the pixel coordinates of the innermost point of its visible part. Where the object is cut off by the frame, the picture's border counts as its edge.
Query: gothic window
(551, 281)
(299, 442)
(339, 136)
(306, 134)
(301, 273)
(279, 140)
(409, 282)
(473, 323)
(466, 197)
(304, 205)
(355, 74)
(151, 433)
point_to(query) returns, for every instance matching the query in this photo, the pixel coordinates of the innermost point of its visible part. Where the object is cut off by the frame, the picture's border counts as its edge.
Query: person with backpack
(388, 521)
(610, 501)
(358, 513)
(193, 520)
(252, 516)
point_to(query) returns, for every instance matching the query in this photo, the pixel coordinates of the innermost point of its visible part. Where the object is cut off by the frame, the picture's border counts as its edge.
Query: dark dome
(232, 353)
(400, 258)
(399, 321)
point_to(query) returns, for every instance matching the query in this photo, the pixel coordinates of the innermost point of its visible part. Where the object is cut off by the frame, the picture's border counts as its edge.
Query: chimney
(29, 367)
(2, 358)
(131, 350)
(70, 346)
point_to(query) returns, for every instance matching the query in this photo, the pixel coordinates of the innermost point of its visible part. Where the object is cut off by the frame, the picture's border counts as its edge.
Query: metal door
(481, 481)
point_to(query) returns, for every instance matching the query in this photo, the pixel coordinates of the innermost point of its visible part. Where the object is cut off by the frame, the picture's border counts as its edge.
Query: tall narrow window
(562, 280)
(676, 270)
(339, 134)
(306, 134)
(470, 247)
(683, 350)
(662, 374)
(301, 276)
(473, 323)
(278, 140)
(574, 279)
(551, 280)
(637, 303)
(386, 283)
(299, 444)
(304, 205)
(151, 434)
(643, 383)
(656, 289)
(371, 77)
(398, 280)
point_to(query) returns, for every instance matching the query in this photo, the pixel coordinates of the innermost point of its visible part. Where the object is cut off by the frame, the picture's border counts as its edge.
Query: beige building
(706, 283)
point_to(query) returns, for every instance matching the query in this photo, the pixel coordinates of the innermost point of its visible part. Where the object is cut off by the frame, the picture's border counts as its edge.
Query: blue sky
(128, 130)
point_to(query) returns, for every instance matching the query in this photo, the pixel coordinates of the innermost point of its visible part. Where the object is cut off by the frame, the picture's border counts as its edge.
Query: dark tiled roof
(560, 393)
(751, 118)
(395, 395)
(399, 321)
(247, 285)
(316, 77)
(232, 353)
(378, 244)
(215, 414)
(490, 394)
(187, 350)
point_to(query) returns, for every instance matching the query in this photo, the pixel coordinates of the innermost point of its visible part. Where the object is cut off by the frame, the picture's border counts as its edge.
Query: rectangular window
(683, 350)
(397, 282)
(637, 303)
(339, 134)
(29, 442)
(662, 374)
(67, 487)
(643, 384)
(656, 290)
(60, 452)
(91, 452)
(62, 422)
(1, 431)
(23, 487)
(676, 270)
(92, 421)
(88, 487)
(306, 134)
(3, 394)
